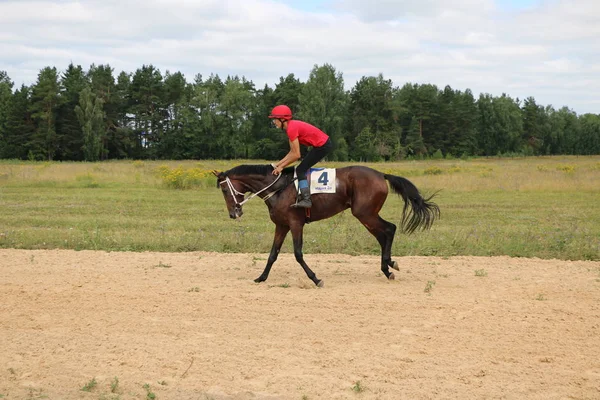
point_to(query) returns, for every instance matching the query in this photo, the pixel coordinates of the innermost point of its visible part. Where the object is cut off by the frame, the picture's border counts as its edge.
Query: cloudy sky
(548, 49)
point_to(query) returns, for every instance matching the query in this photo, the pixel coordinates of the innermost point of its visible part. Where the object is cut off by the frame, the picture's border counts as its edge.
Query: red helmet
(281, 112)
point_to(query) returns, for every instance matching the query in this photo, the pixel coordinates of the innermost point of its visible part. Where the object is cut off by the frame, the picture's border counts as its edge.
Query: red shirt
(306, 133)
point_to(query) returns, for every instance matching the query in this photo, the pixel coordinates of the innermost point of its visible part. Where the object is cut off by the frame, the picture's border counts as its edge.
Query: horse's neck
(255, 184)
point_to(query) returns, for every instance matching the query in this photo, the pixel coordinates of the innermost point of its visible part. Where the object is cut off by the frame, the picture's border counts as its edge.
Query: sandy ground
(195, 326)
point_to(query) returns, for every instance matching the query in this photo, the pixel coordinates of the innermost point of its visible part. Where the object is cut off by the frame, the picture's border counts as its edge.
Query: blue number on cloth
(323, 179)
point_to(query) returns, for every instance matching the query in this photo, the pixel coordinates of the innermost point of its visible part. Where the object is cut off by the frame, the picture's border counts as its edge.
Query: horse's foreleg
(280, 233)
(297, 236)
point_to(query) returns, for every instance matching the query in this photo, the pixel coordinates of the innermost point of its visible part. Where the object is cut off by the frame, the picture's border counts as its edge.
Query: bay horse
(362, 189)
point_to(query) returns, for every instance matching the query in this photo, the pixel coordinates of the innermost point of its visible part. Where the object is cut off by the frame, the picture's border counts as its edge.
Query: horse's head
(247, 178)
(232, 192)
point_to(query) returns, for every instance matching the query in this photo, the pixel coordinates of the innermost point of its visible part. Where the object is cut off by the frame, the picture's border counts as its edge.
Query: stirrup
(298, 204)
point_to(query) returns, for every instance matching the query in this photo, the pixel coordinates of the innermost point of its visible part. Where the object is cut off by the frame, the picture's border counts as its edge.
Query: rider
(300, 133)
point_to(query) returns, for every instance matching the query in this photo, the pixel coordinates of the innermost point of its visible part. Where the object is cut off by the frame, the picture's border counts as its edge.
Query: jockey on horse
(298, 133)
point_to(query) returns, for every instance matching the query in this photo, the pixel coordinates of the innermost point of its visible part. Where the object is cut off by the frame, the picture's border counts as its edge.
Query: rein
(234, 191)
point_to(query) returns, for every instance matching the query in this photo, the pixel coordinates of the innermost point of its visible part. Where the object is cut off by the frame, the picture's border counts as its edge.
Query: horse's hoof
(320, 283)
(392, 276)
(259, 280)
(395, 266)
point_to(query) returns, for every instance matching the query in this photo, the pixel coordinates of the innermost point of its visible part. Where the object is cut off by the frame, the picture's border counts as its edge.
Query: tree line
(91, 115)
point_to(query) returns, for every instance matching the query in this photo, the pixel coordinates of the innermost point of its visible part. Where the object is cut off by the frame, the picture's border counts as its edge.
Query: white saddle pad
(322, 180)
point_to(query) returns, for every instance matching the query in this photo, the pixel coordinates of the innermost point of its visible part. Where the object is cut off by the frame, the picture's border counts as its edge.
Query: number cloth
(322, 180)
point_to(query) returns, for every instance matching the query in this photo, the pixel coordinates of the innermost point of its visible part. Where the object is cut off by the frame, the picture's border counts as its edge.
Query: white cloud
(549, 51)
(385, 10)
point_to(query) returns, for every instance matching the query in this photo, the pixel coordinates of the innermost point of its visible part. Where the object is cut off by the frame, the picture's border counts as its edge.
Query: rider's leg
(315, 155)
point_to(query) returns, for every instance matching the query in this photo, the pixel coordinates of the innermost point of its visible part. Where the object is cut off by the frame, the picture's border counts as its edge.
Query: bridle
(234, 192)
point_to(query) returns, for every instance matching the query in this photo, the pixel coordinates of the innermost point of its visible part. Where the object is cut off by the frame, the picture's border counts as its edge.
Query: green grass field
(547, 207)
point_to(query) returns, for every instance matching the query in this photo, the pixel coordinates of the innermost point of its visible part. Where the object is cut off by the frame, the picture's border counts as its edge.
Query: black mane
(250, 170)
(261, 169)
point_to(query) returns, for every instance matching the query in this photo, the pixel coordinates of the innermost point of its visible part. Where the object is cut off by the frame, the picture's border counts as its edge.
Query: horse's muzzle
(236, 212)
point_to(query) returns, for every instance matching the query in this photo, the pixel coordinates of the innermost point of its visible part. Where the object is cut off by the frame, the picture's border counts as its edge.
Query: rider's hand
(277, 171)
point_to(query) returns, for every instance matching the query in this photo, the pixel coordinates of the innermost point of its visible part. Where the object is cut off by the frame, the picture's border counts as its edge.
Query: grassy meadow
(547, 207)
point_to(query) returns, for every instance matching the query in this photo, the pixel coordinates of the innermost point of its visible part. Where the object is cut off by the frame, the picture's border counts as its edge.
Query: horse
(360, 188)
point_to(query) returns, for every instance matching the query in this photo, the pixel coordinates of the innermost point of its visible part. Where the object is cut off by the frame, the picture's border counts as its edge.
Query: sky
(547, 49)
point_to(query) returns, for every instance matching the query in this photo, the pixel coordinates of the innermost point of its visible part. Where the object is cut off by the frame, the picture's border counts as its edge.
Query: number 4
(323, 179)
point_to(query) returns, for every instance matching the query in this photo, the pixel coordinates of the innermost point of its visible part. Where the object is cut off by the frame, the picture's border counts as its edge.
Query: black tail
(422, 213)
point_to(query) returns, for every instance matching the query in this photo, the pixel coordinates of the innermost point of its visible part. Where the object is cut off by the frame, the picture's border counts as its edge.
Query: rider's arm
(292, 156)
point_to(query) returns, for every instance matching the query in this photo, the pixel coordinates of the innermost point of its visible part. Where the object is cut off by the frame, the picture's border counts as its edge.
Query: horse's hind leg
(384, 233)
(387, 252)
(297, 236)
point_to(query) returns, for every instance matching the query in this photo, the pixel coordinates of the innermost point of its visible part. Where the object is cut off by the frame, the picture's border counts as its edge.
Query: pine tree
(6, 86)
(415, 145)
(45, 102)
(19, 128)
(91, 118)
(103, 86)
(145, 93)
(70, 135)
(121, 137)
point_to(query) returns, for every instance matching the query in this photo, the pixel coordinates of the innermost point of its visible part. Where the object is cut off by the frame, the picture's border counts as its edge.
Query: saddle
(321, 180)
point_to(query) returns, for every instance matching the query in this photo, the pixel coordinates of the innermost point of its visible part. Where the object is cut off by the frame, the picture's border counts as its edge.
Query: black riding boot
(304, 201)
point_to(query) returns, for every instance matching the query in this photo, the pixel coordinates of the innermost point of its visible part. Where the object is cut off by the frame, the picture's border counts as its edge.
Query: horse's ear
(215, 173)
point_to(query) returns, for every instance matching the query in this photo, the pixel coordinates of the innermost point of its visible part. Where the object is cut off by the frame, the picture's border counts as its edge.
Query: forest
(79, 115)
